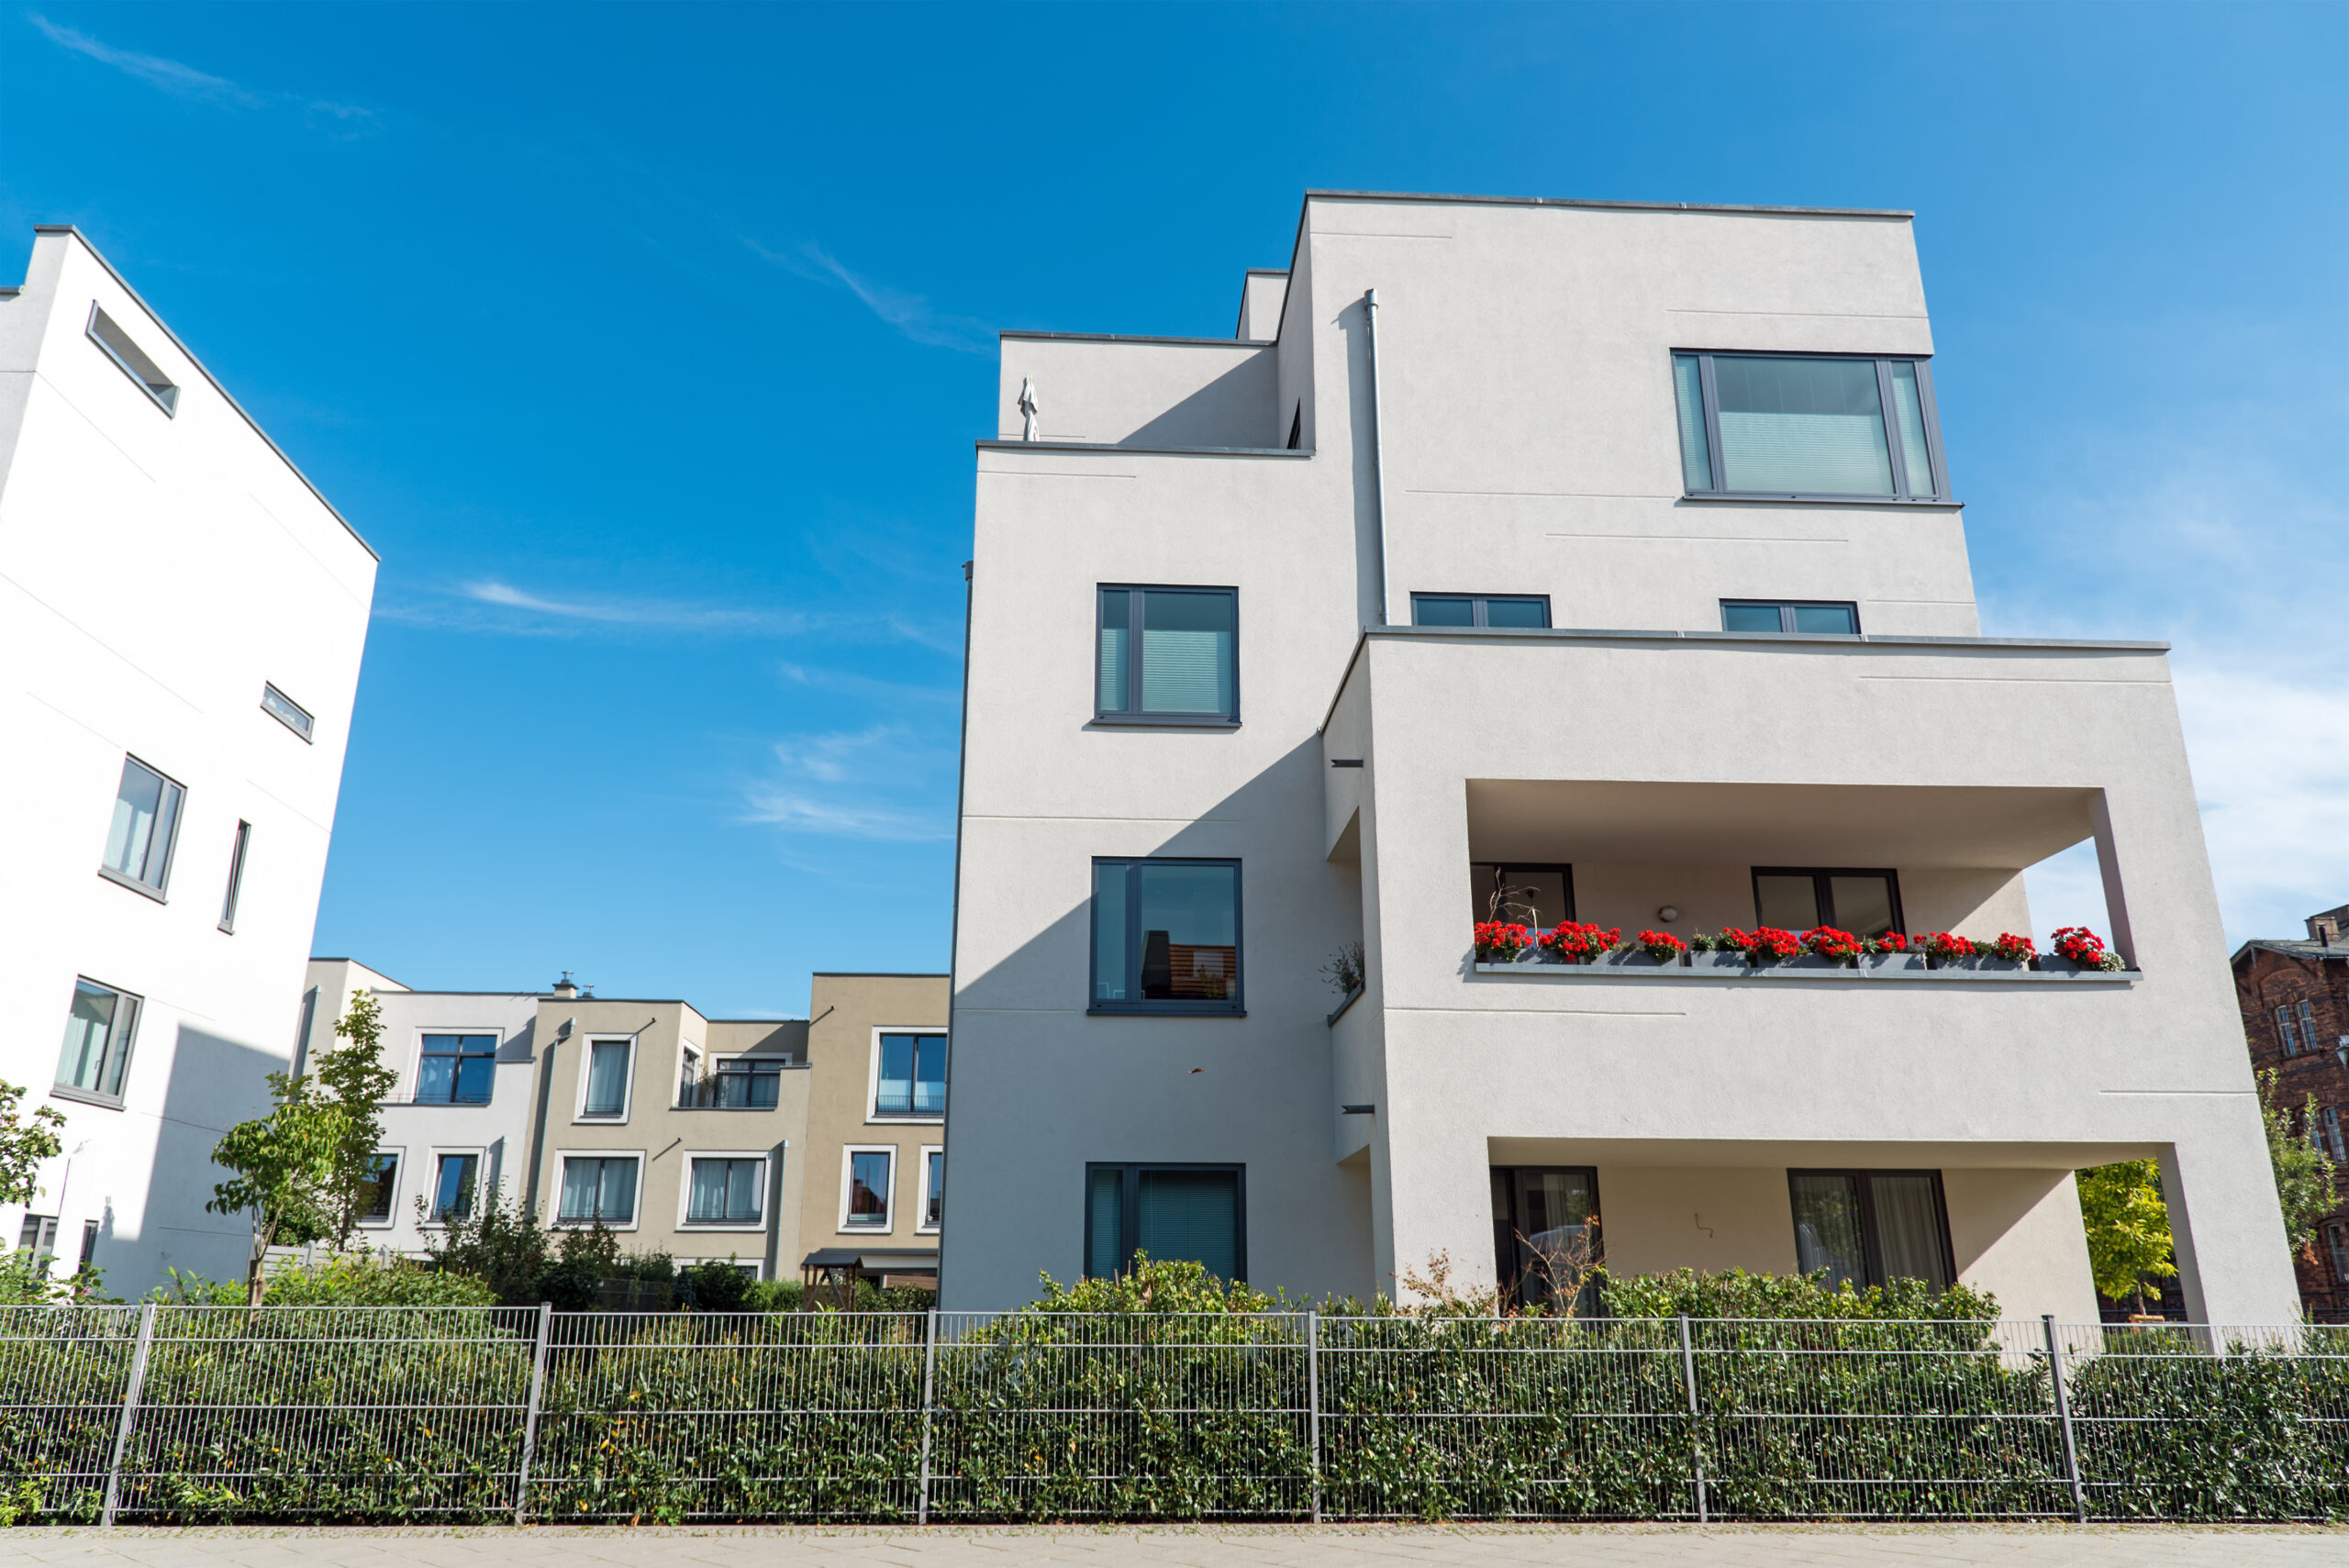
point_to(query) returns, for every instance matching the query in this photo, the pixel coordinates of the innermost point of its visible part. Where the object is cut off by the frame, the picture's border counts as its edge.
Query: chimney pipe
(563, 987)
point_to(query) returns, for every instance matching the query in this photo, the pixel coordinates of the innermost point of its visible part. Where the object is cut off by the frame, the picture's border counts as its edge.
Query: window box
(1811, 960)
(1893, 962)
(1717, 961)
(1636, 960)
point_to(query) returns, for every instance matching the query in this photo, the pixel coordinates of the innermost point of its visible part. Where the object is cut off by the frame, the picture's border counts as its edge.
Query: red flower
(1579, 943)
(2085, 947)
(1497, 939)
(1661, 946)
(1891, 942)
(1949, 944)
(1829, 942)
(2012, 947)
(1770, 942)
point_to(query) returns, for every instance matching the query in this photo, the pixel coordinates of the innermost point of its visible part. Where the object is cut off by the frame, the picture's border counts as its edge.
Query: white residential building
(458, 1123)
(1607, 553)
(182, 617)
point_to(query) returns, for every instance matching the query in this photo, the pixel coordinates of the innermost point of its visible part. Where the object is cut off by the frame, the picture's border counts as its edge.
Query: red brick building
(2295, 1000)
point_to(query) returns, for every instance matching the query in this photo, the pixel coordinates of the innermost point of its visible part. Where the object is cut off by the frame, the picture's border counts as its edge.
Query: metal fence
(201, 1414)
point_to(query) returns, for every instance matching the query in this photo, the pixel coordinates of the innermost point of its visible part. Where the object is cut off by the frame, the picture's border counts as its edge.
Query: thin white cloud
(865, 783)
(155, 70)
(911, 314)
(650, 613)
(864, 686)
(800, 813)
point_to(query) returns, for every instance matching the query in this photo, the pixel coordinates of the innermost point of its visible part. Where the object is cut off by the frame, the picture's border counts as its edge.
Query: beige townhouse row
(812, 1145)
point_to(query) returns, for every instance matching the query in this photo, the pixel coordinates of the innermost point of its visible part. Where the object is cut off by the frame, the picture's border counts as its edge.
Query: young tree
(2128, 1227)
(24, 1145)
(2304, 1176)
(303, 1170)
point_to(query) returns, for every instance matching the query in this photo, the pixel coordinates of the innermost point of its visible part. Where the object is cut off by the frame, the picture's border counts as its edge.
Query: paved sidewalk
(1237, 1546)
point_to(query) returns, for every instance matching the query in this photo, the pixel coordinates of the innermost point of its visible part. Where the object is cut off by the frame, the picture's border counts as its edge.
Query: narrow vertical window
(1909, 409)
(1696, 452)
(1116, 631)
(146, 825)
(378, 1190)
(933, 1207)
(2307, 1027)
(607, 1068)
(2284, 1030)
(235, 877)
(869, 1171)
(453, 1188)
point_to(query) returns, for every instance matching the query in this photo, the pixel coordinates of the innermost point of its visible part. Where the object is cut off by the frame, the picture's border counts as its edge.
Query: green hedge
(1095, 1406)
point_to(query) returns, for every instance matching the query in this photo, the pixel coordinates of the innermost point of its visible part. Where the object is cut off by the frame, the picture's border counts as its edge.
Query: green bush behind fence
(391, 1414)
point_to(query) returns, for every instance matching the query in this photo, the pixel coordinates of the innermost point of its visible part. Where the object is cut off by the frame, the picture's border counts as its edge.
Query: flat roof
(1899, 213)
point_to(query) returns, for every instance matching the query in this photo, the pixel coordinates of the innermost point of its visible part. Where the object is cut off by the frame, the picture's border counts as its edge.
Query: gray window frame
(1234, 1008)
(1136, 715)
(1823, 890)
(122, 1036)
(306, 729)
(1787, 608)
(1477, 610)
(1129, 1208)
(132, 361)
(159, 889)
(385, 1179)
(727, 1222)
(1871, 1240)
(1903, 496)
(237, 852)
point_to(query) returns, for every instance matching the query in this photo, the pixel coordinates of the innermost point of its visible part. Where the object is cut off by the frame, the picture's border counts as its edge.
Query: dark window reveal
(1167, 936)
(1870, 1227)
(1795, 898)
(1813, 426)
(1168, 655)
(1545, 1224)
(1193, 1213)
(1521, 895)
(1785, 616)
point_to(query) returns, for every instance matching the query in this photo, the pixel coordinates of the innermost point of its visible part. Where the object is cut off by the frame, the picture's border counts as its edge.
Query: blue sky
(647, 345)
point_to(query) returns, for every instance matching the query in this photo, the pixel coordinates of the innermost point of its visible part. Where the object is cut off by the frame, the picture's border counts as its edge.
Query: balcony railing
(730, 1091)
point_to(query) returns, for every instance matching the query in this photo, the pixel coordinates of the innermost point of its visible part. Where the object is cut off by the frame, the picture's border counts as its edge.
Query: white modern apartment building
(182, 616)
(456, 1124)
(1609, 552)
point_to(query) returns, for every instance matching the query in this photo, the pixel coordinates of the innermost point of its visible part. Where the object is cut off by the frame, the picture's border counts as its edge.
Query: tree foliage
(2127, 1230)
(24, 1144)
(2304, 1175)
(301, 1171)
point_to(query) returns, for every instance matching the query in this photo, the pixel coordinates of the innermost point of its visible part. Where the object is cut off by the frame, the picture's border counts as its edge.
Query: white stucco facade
(1515, 432)
(163, 567)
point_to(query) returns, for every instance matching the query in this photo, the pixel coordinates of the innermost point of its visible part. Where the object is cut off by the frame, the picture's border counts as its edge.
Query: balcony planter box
(1635, 961)
(1893, 962)
(1718, 960)
(1984, 963)
(1811, 960)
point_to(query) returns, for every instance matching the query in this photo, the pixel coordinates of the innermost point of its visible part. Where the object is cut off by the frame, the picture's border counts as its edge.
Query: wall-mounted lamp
(1668, 914)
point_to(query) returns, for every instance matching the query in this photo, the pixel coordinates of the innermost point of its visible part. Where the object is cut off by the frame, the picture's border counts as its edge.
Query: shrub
(339, 1279)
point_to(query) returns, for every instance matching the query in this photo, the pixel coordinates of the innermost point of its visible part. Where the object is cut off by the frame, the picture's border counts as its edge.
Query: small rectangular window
(1521, 895)
(2336, 1242)
(743, 1083)
(1787, 616)
(1185, 1213)
(376, 1194)
(452, 1185)
(99, 1030)
(1510, 610)
(606, 1097)
(597, 1189)
(1167, 936)
(235, 877)
(2308, 1026)
(145, 828)
(912, 1076)
(1811, 426)
(933, 1204)
(2333, 1134)
(456, 1069)
(1167, 655)
(869, 1173)
(133, 360)
(38, 1235)
(726, 1191)
(286, 711)
(1798, 898)
(1869, 1228)
(2284, 1032)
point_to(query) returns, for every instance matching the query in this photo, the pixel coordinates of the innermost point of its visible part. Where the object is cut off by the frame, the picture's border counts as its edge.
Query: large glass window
(1804, 425)
(456, 1069)
(452, 1185)
(1545, 1220)
(1521, 895)
(98, 1032)
(868, 1189)
(1168, 655)
(607, 1068)
(1480, 609)
(1785, 616)
(912, 1076)
(146, 823)
(1871, 1227)
(598, 1187)
(1189, 1213)
(725, 1191)
(1167, 936)
(1795, 898)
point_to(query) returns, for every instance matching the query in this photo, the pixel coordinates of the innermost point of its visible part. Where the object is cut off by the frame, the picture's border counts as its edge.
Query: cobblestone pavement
(1237, 1546)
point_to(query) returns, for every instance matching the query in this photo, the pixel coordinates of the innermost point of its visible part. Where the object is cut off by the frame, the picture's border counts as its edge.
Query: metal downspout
(1378, 468)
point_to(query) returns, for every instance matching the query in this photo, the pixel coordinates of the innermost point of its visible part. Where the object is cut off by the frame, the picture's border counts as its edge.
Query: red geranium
(1579, 943)
(1661, 946)
(1949, 944)
(1828, 942)
(1768, 943)
(1496, 938)
(2018, 949)
(2086, 949)
(1891, 942)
